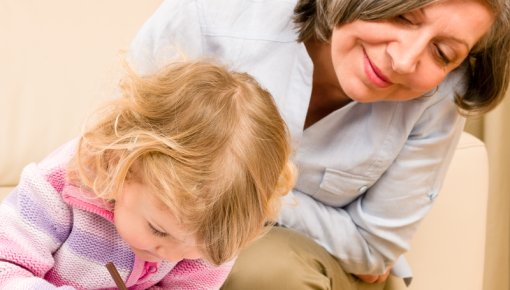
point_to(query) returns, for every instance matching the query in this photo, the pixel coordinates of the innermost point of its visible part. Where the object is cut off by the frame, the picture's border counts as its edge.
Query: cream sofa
(448, 251)
(60, 59)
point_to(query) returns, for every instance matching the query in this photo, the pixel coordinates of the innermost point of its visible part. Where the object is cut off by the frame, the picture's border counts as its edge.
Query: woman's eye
(403, 19)
(156, 232)
(441, 55)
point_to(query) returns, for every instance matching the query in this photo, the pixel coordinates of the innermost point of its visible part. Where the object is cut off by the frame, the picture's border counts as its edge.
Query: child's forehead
(150, 191)
(155, 198)
(169, 220)
(159, 207)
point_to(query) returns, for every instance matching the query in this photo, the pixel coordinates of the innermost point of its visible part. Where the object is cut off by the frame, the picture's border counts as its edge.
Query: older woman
(373, 92)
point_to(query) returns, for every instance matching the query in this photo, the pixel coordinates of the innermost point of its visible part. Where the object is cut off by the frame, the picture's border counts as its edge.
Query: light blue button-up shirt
(368, 172)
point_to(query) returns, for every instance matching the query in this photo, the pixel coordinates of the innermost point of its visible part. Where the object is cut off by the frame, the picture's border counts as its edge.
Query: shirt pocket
(339, 188)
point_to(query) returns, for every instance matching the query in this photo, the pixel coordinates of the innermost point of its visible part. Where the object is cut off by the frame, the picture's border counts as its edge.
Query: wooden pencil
(116, 276)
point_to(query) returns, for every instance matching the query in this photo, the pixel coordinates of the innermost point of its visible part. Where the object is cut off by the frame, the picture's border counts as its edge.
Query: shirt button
(362, 189)
(152, 269)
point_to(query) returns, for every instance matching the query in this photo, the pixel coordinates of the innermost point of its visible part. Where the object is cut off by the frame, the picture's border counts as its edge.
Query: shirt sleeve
(172, 32)
(35, 222)
(369, 234)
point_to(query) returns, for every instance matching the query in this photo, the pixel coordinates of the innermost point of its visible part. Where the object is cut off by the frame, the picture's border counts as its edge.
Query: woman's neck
(327, 95)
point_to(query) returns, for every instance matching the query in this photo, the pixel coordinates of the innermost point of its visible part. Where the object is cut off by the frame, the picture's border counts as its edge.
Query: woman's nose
(406, 51)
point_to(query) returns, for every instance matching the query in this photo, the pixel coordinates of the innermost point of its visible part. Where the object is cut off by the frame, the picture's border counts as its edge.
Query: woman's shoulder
(198, 28)
(255, 19)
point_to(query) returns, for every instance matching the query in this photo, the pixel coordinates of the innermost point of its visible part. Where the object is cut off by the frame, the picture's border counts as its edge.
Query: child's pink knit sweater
(56, 236)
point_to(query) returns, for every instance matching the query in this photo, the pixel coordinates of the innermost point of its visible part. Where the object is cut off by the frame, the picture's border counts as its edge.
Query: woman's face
(404, 57)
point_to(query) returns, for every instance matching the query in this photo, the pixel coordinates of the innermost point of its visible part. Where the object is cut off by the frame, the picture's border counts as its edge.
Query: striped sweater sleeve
(35, 222)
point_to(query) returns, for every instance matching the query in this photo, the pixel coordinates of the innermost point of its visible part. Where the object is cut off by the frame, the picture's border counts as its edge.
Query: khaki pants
(284, 259)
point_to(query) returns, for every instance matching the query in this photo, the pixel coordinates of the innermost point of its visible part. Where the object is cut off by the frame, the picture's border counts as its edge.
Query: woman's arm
(372, 231)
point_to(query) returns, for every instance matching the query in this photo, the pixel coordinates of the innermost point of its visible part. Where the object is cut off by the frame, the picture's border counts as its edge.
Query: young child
(169, 182)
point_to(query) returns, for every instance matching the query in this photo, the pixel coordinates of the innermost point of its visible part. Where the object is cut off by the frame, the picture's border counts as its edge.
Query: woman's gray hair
(317, 18)
(489, 60)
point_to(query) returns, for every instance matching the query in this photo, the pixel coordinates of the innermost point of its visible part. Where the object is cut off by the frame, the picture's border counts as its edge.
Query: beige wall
(55, 48)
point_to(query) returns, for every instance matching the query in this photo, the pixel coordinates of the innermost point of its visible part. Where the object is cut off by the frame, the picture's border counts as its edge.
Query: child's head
(206, 144)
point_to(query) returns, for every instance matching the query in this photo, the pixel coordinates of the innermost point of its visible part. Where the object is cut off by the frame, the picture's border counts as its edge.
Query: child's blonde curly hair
(209, 142)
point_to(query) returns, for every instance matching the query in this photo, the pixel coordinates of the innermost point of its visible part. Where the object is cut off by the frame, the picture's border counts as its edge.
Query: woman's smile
(374, 74)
